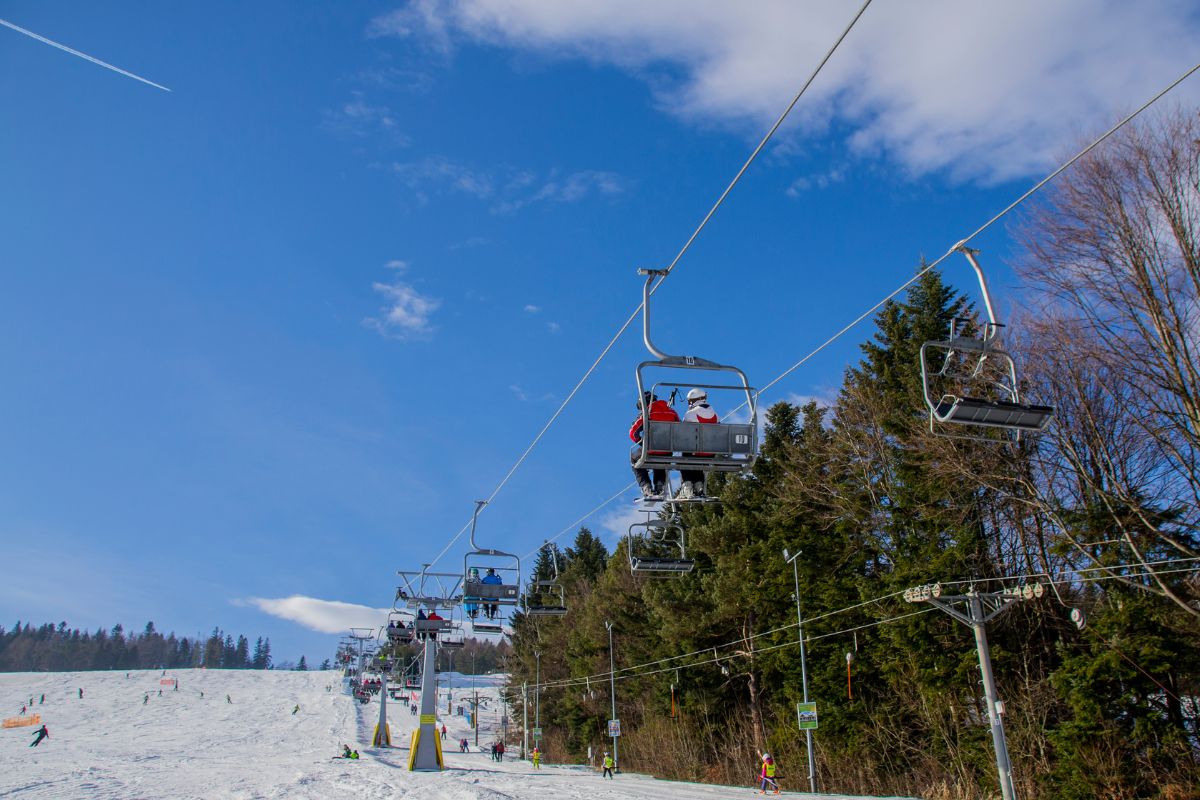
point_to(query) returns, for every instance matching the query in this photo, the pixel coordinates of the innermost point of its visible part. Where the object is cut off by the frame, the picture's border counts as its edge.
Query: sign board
(614, 727)
(429, 719)
(806, 716)
(537, 731)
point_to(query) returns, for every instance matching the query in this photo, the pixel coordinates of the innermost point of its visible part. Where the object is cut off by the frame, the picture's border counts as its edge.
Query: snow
(112, 745)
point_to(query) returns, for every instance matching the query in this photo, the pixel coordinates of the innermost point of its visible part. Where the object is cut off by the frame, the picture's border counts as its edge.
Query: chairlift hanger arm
(983, 286)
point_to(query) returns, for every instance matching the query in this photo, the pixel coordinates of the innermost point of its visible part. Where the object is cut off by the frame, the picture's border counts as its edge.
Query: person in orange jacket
(652, 482)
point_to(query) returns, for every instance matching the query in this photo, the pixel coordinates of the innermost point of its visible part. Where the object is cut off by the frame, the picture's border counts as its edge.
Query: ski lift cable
(633, 670)
(985, 226)
(1000, 215)
(669, 269)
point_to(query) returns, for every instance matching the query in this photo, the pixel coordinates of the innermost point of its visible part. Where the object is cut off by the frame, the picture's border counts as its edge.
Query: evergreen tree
(303, 665)
(242, 653)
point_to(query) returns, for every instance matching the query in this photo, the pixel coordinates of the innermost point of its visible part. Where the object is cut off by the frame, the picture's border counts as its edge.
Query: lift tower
(429, 592)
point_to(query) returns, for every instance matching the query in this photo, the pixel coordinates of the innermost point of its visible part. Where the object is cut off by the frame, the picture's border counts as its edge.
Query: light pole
(537, 701)
(475, 708)
(812, 771)
(612, 675)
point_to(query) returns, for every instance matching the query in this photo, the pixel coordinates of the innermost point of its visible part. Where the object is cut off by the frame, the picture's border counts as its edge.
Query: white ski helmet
(766, 756)
(696, 395)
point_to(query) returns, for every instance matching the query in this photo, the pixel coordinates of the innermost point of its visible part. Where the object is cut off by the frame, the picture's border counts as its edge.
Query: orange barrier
(21, 722)
(168, 682)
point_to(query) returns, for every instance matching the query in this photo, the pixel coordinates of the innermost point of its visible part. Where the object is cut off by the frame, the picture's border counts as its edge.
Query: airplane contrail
(73, 52)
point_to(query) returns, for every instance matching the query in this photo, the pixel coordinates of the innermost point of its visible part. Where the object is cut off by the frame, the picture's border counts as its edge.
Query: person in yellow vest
(537, 758)
(608, 766)
(768, 774)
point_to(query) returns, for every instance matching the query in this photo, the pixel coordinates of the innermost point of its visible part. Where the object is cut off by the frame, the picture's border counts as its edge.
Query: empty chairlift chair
(970, 383)
(547, 598)
(657, 547)
(721, 447)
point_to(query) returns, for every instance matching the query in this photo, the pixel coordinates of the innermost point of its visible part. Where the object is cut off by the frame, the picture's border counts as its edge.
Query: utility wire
(637, 670)
(996, 218)
(670, 268)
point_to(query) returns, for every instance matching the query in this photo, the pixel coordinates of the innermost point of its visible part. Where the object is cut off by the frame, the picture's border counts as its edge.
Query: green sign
(806, 716)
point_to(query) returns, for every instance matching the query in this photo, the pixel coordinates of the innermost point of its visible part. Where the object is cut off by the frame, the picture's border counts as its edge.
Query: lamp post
(812, 771)
(475, 708)
(537, 701)
(612, 675)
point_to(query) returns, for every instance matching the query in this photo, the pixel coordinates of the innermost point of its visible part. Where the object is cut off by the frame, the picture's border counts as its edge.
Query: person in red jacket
(652, 482)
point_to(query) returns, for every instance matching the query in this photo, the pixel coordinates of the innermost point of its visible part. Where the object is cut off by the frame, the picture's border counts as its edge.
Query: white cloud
(325, 616)
(617, 521)
(553, 327)
(406, 312)
(508, 189)
(976, 90)
(359, 119)
(822, 180)
(518, 392)
(532, 309)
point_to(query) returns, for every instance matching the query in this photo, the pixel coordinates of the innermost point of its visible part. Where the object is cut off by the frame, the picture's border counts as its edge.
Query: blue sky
(270, 334)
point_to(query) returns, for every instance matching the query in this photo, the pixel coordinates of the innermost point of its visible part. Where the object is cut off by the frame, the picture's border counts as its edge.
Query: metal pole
(475, 709)
(612, 675)
(525, 718)
(812, 770)
(1003, 766)
(537, 701)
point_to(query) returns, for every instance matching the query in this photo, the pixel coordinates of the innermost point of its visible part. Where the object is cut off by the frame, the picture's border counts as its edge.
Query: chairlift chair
(481, 593)
(719, 447)
(650, 544)
(397, 629)
(972, 382)
(546, 598)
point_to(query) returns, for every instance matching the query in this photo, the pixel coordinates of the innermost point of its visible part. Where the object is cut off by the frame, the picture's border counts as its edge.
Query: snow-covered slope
(115, 744)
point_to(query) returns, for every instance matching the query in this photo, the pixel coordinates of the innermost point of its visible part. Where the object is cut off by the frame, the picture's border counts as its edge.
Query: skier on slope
(537, 758)
(652, 482)
(691, 481)
(296, 709)
(767, 775)
(608, 766)
(41, 734)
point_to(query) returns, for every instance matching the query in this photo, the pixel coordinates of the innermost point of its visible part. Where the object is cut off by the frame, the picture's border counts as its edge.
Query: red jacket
(659, 412)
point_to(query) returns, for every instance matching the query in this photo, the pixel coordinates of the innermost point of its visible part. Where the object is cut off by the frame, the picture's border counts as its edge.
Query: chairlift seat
(674, 566)
(726, 446)
(546, 611)
(486, 626)
(993, 413)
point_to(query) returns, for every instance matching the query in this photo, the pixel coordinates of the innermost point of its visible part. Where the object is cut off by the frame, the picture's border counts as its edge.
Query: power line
(996, 218)
(636, 670)
(669, 269)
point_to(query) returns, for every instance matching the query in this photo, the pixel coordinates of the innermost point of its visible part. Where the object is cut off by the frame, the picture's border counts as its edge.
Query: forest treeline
(57, 648)
(1102, 508)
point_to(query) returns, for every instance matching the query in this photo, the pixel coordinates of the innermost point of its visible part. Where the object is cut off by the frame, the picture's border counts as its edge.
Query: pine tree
(242, 653)
(303, 665)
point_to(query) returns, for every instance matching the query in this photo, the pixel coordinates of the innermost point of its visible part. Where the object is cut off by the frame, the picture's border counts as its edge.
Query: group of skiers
(498, 751)
(653, 482)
